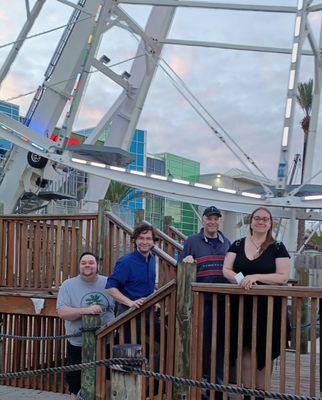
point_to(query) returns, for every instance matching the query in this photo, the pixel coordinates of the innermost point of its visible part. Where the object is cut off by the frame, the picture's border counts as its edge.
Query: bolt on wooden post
(125, 385)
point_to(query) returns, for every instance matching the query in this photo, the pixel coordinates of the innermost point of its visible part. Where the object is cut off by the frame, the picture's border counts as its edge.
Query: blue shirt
(133, 275)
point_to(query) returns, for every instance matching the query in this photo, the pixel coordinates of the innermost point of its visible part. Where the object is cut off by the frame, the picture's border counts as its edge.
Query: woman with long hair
(256, 259)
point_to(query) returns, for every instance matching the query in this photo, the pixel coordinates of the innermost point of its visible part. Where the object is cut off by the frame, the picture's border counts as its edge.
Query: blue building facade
(12, 110)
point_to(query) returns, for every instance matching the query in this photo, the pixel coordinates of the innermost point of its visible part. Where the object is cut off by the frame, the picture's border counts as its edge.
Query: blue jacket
(209, 255)
(133, 275)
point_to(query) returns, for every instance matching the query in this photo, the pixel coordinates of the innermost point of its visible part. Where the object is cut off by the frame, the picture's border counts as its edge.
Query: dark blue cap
(211, 211)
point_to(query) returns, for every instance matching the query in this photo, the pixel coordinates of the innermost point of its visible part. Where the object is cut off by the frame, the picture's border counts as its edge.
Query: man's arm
(118, 296)
(73, 313)
(187, 253)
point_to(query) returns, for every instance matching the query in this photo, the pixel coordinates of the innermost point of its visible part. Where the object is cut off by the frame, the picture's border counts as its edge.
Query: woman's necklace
(258, 247)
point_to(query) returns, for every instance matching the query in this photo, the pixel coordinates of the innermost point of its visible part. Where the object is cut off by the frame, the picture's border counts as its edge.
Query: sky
(244, 91)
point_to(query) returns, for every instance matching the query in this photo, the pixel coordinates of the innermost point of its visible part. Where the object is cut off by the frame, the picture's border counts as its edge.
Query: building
(12, 110)
(184, 214)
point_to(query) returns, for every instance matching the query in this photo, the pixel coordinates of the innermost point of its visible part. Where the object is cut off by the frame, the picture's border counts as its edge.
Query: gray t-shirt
(75, 292)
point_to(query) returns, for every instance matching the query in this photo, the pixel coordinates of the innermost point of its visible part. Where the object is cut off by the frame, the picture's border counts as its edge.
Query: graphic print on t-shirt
(96, 298)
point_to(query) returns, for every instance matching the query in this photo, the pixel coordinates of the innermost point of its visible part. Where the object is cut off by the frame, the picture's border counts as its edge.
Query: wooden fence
(293, 373)
(40, 252)
(152, 326)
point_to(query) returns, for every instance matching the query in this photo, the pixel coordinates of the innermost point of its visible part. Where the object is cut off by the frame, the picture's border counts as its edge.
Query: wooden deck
(290, 374)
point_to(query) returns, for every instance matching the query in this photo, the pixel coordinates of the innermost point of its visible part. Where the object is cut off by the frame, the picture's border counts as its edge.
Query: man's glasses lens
(264, 219)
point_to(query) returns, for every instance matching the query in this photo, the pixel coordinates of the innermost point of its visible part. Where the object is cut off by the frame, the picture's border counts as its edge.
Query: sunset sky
(243, 91)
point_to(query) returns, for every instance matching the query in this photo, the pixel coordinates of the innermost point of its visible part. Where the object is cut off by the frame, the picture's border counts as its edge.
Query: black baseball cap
(212, 210)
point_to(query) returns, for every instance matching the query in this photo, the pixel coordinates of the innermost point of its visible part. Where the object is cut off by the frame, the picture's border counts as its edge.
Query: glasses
(264, 219)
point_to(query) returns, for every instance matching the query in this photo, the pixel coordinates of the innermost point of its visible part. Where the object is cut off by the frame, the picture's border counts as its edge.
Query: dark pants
(74, 356)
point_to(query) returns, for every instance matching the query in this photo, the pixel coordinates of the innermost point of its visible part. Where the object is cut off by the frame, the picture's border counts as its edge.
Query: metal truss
(67, 76)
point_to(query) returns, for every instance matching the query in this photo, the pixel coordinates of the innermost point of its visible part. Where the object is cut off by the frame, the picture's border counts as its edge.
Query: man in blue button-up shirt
(133, 278)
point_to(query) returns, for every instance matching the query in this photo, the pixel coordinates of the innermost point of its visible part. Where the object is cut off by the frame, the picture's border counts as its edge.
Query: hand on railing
(136, 303)
(94, 309)
(188, 259)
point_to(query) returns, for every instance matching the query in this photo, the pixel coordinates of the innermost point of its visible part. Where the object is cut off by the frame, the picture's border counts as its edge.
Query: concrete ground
(11, 393)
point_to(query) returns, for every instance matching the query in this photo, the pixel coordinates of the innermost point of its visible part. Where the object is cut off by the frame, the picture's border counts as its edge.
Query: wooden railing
(294, 373)
(175, 234)
(117, 242)
(18, 317)
(152, 326)
(40, 252)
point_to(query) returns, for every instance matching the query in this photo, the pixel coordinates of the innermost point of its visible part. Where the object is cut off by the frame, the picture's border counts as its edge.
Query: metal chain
(76, 334)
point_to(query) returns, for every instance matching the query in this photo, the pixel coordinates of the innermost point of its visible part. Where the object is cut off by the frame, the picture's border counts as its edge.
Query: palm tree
(117, 192)
(304, 98)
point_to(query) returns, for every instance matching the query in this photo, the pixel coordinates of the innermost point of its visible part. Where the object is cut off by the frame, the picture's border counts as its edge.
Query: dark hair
(88, 253)
(269, 237)
(143, 228)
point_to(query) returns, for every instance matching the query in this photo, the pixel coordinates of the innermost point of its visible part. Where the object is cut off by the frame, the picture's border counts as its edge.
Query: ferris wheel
(60, 94)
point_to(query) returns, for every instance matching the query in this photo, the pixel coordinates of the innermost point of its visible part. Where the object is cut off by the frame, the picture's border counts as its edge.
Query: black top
(264, 264)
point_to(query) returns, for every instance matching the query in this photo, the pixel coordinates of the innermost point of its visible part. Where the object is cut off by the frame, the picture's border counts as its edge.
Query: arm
(118, 296)
(74, 313)
(280, 277)
(187, 256)
(228, 267)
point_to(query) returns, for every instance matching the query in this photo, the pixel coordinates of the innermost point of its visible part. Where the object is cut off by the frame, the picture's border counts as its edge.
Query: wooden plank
(313, 347)
(162, 348)
(194, 341)
(186, 275)
(23, 256)
(151, 351)
(298, 346)
(239, 362)
(253, 352)
(170, 345)
(213, 356)
(12, 304)
(36, 256)
(10, 255)
(73, 253)
(269, 338)
(227, 340)
(58, 255)
(283, 345)
(259, 290)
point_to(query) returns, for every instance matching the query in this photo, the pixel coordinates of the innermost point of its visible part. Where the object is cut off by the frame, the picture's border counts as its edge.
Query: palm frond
(305, 96)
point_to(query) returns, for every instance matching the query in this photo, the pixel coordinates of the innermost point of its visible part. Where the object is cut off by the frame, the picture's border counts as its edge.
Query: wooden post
(125, 385)
(103, 206)
(138, 217)
(167, 221)
(186, 274)
(89, 354)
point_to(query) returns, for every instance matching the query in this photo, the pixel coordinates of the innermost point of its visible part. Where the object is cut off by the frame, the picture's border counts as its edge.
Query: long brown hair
(269, 237)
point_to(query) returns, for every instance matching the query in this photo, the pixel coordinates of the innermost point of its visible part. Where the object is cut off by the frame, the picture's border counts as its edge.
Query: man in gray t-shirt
(83, 294)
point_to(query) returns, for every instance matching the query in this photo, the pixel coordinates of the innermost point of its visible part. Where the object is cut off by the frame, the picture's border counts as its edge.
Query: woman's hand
(248, 281)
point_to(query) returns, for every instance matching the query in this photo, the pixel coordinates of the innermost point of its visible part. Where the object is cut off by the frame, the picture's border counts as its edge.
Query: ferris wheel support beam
(212, 5)
(31, 17)
(298, 40)
(311, 139)
(231, 46)
(123, 121)
(28, 140)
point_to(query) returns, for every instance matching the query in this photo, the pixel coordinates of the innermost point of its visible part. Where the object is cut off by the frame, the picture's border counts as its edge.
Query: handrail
(178, 233)
(133, 312)
(156, 250)
(258, 290)
(119, 222)
(37, 217)
(167, 238)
